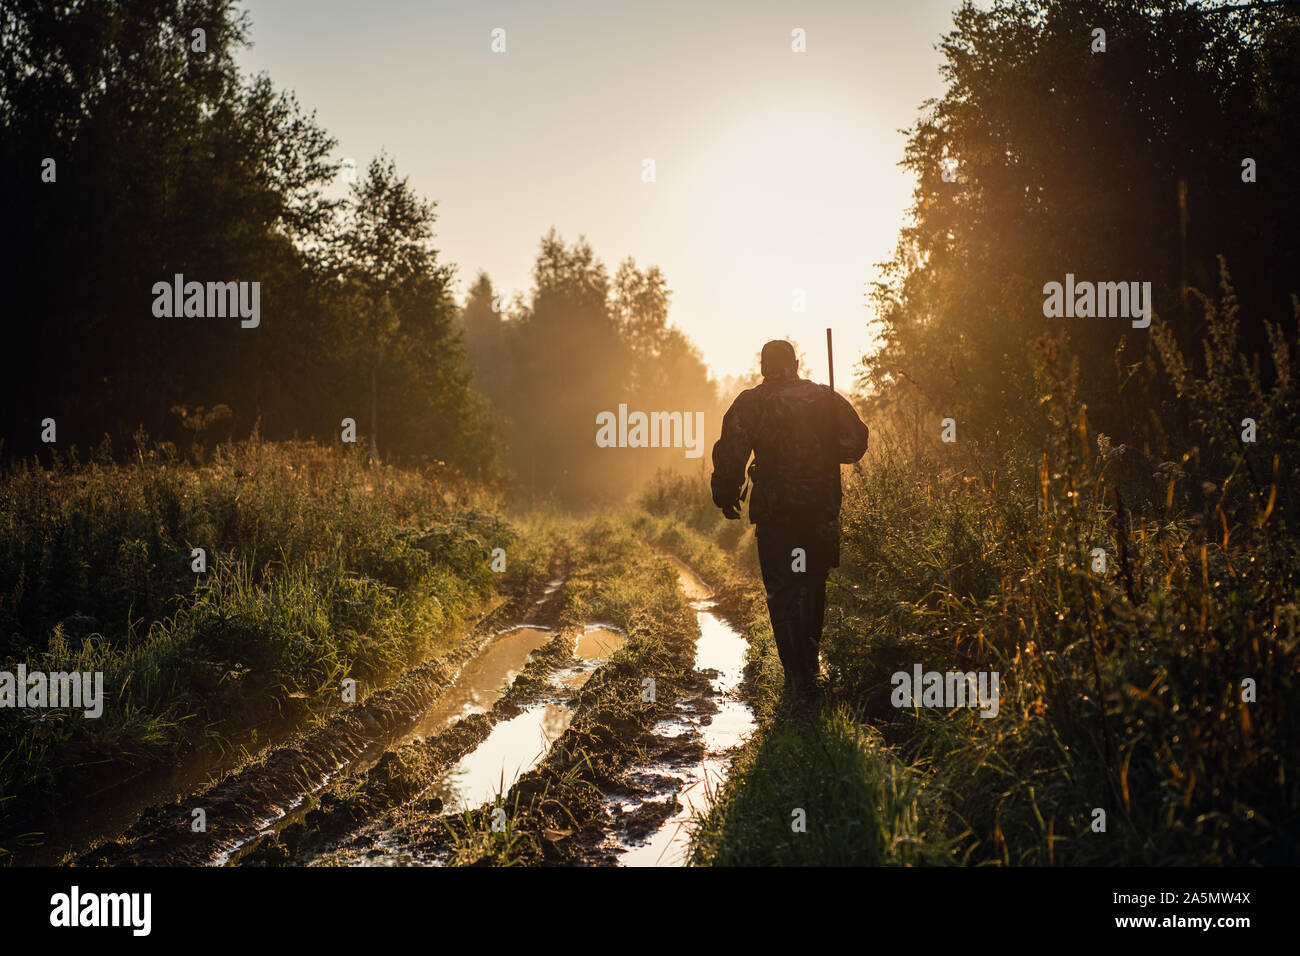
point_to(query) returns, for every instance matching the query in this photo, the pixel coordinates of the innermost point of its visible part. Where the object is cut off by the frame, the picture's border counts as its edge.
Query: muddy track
(606, 793)
(593, 753)
(613, 787)
(350, 812)
(242, 804)
(644, 821)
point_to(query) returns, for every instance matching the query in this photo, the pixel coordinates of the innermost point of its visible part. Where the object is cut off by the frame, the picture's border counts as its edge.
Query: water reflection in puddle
(720, 652)
(513, 748)
(517, 745)
(594, 646)
(483, 679)
(481, 682)
(598, 644)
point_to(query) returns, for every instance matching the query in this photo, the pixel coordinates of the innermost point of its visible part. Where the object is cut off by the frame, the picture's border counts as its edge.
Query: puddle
(599, 643)
(595, 646)
(720, 653)
(513, 748)
(483, 679)
(518, 745)
(692, 585)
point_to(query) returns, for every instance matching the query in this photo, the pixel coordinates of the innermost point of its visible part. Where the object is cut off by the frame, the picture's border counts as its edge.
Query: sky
(773, 171)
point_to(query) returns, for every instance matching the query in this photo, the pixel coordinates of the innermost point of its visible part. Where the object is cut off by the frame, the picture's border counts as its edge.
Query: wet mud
(277, 787)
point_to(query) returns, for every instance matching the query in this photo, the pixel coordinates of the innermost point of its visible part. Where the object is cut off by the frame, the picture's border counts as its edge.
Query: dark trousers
(796, 599)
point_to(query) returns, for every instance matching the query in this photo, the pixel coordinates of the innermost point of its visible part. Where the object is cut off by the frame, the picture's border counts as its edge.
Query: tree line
(1110, 141)
(584, 343)
(133, 150)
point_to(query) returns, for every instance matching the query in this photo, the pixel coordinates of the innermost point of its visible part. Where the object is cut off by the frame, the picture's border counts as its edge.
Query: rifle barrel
(830, 359)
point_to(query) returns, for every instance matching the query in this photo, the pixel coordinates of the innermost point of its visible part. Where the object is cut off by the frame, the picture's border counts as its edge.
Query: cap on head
(776, 356)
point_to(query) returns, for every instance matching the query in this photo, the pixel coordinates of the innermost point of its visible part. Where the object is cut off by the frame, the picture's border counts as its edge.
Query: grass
(318, 568)
(1156, 689)
(784, 801)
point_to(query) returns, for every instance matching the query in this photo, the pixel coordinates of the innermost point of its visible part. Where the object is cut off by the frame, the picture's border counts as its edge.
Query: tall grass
(788, 793)
(1121, 689)
(319, 567)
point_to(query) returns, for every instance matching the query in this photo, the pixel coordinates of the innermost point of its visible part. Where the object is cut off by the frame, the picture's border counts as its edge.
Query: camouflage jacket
(800, 433)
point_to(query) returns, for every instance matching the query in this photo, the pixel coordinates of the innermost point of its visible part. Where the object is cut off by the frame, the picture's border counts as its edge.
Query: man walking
(800, 433)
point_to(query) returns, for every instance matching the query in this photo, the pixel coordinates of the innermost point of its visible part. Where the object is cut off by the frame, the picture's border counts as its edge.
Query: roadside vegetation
(319, 567)
(1157, 690)
(1107, 520)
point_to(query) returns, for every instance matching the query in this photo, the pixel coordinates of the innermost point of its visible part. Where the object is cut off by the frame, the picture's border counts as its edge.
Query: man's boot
(800, 677)
(786, 634)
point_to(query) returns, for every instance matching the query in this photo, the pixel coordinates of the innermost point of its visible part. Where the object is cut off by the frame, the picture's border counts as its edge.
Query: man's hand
(731, 511)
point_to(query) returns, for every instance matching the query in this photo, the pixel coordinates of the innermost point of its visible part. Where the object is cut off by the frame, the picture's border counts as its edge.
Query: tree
(580, 346)
(1114, 166)
(394, 326)
(486, 335)
(164, 161)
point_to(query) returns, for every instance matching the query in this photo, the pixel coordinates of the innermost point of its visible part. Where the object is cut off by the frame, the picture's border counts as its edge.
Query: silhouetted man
(800, 433)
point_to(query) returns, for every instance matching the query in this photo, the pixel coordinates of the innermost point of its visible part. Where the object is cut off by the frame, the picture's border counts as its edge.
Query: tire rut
(241, 806)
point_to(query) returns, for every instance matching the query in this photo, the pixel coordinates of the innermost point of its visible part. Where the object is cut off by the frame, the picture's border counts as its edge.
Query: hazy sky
(774, 170)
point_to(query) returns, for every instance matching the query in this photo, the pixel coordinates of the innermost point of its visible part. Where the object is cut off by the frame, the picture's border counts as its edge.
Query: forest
(255, 443)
